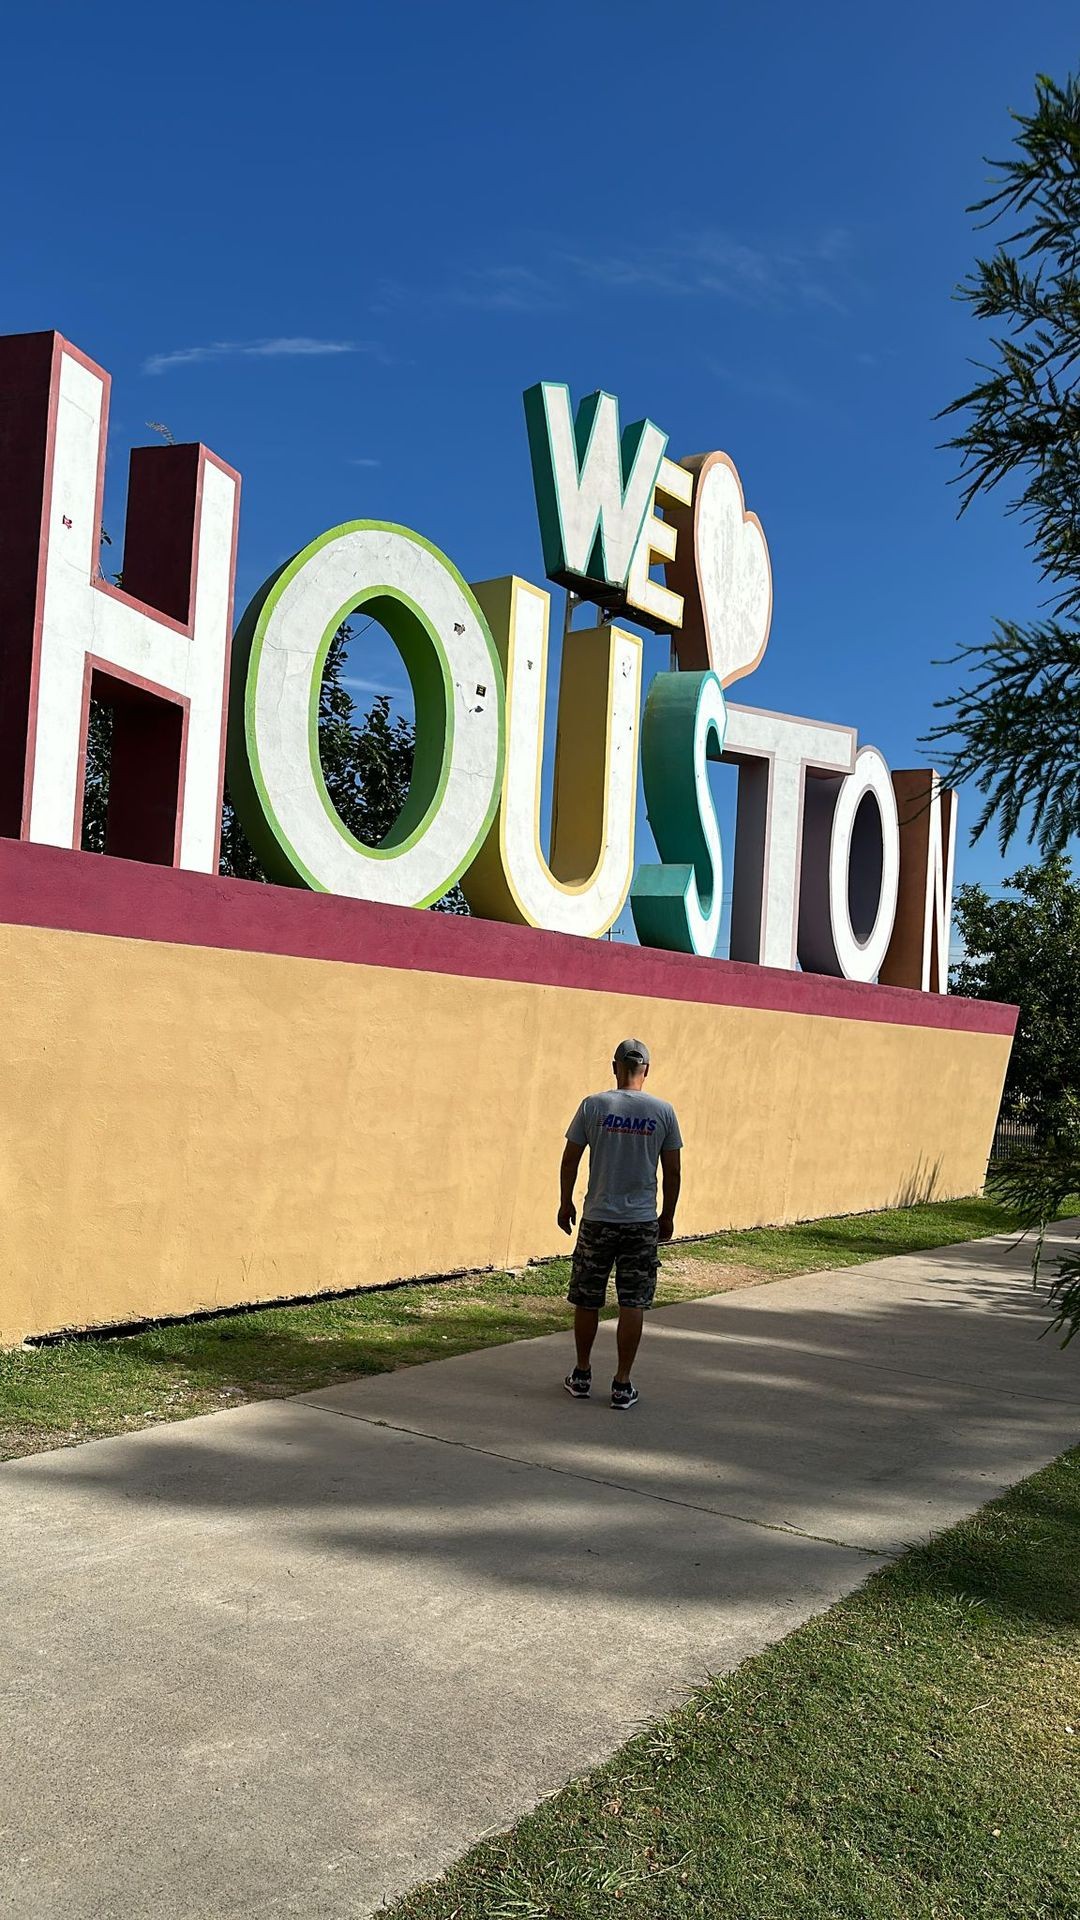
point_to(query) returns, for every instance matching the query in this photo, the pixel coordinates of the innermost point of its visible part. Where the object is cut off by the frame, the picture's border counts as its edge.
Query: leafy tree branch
(1014, 727)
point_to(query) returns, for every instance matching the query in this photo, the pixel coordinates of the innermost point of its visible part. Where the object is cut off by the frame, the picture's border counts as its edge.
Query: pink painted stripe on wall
(90, 893)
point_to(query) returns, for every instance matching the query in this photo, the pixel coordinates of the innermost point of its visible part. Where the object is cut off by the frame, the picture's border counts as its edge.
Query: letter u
(583, 887)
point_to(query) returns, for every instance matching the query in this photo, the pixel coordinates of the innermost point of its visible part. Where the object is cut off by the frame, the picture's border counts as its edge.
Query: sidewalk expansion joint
(598, 1480)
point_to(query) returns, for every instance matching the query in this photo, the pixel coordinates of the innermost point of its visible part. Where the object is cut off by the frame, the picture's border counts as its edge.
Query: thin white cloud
(713, 263)
(362, 460)
(505, 290)
(494, 289)
(814, 272)
(374, 686)
(282, 347)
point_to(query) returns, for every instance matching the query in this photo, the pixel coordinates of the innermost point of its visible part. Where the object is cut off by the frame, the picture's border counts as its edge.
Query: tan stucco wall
(184, 1127)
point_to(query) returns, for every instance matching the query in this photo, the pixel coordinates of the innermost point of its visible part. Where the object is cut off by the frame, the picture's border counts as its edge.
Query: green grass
(79, 1389)
(913, 1754)
(850, 1238)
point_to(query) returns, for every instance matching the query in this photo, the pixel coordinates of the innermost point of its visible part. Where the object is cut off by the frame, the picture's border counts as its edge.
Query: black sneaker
(579, 1383)
(624, 1394)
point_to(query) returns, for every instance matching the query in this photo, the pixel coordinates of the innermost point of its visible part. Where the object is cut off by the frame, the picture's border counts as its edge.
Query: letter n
(155, 651)
(918, 954)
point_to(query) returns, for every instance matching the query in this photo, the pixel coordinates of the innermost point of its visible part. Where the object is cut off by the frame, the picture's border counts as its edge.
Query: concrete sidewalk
(292, 1659)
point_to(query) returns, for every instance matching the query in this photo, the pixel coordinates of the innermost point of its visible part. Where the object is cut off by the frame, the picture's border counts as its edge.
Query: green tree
(96, 791)
(1014, 728)
(1025, 950)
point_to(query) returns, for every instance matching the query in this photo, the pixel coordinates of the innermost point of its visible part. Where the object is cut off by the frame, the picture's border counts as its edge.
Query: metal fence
(1013, 1136)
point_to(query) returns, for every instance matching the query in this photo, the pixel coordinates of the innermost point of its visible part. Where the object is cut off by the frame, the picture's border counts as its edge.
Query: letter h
(156, 650)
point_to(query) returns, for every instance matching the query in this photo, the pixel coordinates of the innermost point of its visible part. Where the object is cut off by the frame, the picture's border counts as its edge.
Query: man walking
(628, 1134)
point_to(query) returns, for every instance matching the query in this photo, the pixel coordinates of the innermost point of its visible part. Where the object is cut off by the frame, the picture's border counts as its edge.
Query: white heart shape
(728, 612)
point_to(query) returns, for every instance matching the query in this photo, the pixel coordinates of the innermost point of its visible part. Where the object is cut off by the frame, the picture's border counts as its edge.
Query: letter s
(677, 905)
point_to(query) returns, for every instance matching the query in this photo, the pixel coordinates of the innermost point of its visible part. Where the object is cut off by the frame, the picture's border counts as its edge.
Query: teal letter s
(677, 905)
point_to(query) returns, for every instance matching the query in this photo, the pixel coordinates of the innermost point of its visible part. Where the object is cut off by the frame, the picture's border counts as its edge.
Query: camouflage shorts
(630, 1249)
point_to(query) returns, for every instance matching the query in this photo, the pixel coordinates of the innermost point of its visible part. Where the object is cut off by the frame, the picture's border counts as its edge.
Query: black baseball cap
(632, 1050)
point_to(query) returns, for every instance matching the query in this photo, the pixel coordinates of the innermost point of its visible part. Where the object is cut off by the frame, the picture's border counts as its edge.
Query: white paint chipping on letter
(775, 752)
(80, 620)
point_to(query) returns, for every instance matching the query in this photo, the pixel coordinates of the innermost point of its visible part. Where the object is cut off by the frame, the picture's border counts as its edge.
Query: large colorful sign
(838, 866)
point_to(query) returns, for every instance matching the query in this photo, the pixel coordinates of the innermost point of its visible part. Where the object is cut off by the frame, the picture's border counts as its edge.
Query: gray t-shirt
(625, 1132)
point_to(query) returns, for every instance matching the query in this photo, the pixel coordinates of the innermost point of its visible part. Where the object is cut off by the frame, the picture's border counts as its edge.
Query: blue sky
(337, 242)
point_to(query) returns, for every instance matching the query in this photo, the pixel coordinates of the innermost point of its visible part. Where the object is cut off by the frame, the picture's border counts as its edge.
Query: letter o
(275, 776)
(850, 870)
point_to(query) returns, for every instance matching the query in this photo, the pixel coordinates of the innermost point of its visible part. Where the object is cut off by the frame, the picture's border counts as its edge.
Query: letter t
(775, 752)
